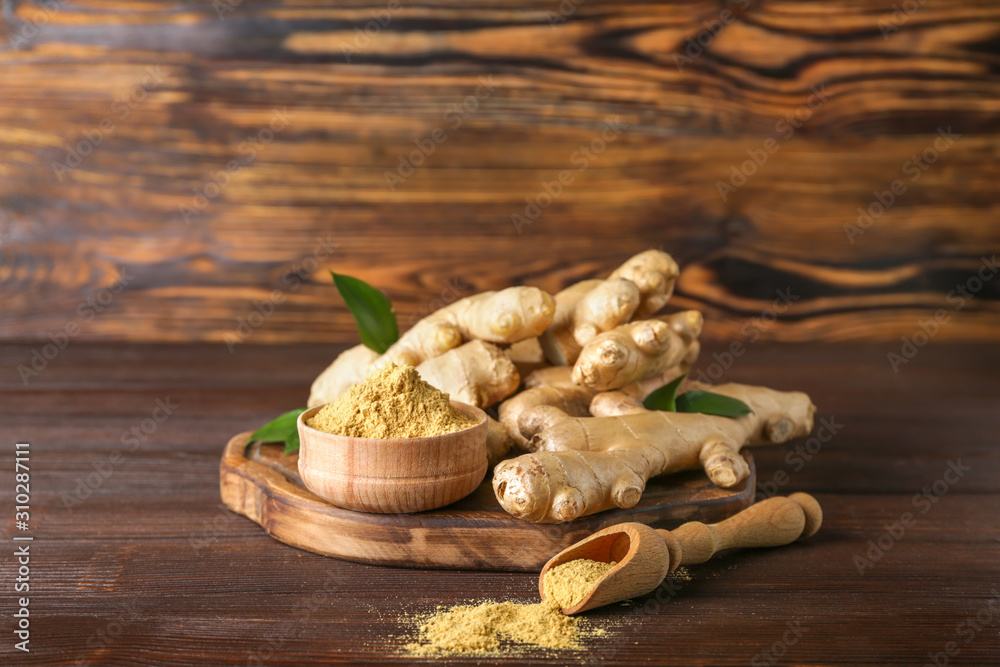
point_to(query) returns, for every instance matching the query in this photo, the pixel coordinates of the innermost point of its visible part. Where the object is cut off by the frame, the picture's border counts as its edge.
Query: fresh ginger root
(687, 324)
(348, 369)
(477, 373)
(642, 285)
(480, 374)
(637, 350)
(527, 355)
(498, 442)
(548, 386)
(555, 386)
(585, 310)
(584, 465)
(507, 316)
(655, 273)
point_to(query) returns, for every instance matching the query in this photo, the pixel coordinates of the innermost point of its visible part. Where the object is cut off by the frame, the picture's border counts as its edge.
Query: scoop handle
(770, 523)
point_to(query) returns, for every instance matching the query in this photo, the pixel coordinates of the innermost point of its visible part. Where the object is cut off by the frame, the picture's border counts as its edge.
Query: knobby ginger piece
(636, 289)
(584, 465)
(507, 316)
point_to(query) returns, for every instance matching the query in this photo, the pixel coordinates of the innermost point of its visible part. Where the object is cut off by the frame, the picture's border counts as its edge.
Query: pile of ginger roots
(588, 357)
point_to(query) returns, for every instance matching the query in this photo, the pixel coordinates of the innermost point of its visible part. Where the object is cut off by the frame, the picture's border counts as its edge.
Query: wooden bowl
(393, 475)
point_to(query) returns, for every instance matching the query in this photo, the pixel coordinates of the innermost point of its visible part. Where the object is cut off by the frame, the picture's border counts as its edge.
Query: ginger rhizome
(507, 316)
(588, 357)
(655, 273)
(583, 465)
(639, 287)
(635, 351)
(481, 372)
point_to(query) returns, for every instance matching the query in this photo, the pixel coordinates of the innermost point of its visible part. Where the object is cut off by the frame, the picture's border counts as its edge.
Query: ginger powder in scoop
(568, 584)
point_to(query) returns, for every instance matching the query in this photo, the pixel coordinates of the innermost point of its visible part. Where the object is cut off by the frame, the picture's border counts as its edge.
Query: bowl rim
(459, 405)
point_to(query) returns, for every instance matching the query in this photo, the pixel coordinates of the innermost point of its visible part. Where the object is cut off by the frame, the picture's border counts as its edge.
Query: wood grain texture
(475, 533)
(219, 75)
(190, 583)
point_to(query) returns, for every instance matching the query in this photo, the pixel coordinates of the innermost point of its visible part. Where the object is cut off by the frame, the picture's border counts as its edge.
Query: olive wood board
(260, 482)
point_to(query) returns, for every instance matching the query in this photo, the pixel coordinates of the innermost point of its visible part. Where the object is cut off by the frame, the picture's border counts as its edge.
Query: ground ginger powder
(483, 628)
(392, 403)
(568, 583)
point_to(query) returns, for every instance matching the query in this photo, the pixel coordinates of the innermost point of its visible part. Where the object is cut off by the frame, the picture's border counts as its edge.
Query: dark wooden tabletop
(134, 561)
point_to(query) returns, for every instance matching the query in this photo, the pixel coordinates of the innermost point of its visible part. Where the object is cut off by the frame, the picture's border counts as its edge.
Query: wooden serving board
(258, 481)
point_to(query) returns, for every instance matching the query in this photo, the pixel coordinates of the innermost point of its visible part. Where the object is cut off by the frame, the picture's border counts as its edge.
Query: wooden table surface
(148, 569)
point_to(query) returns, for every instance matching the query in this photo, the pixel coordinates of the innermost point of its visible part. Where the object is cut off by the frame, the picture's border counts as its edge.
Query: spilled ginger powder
(483, 628)
(392, 403)
(480, 628)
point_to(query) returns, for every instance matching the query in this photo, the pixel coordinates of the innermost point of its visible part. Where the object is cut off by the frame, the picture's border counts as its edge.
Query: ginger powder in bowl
(392, 403)
(393, 444)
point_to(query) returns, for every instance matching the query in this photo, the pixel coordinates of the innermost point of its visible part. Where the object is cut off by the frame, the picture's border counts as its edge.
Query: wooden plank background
(157, 97)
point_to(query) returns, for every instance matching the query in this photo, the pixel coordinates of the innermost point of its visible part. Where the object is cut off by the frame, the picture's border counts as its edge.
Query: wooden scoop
(645, 555)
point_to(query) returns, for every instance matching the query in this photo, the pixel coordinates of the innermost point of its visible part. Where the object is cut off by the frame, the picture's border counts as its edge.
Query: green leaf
(665, 397)
(282, 429)
(707, 403)
(372, 311)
